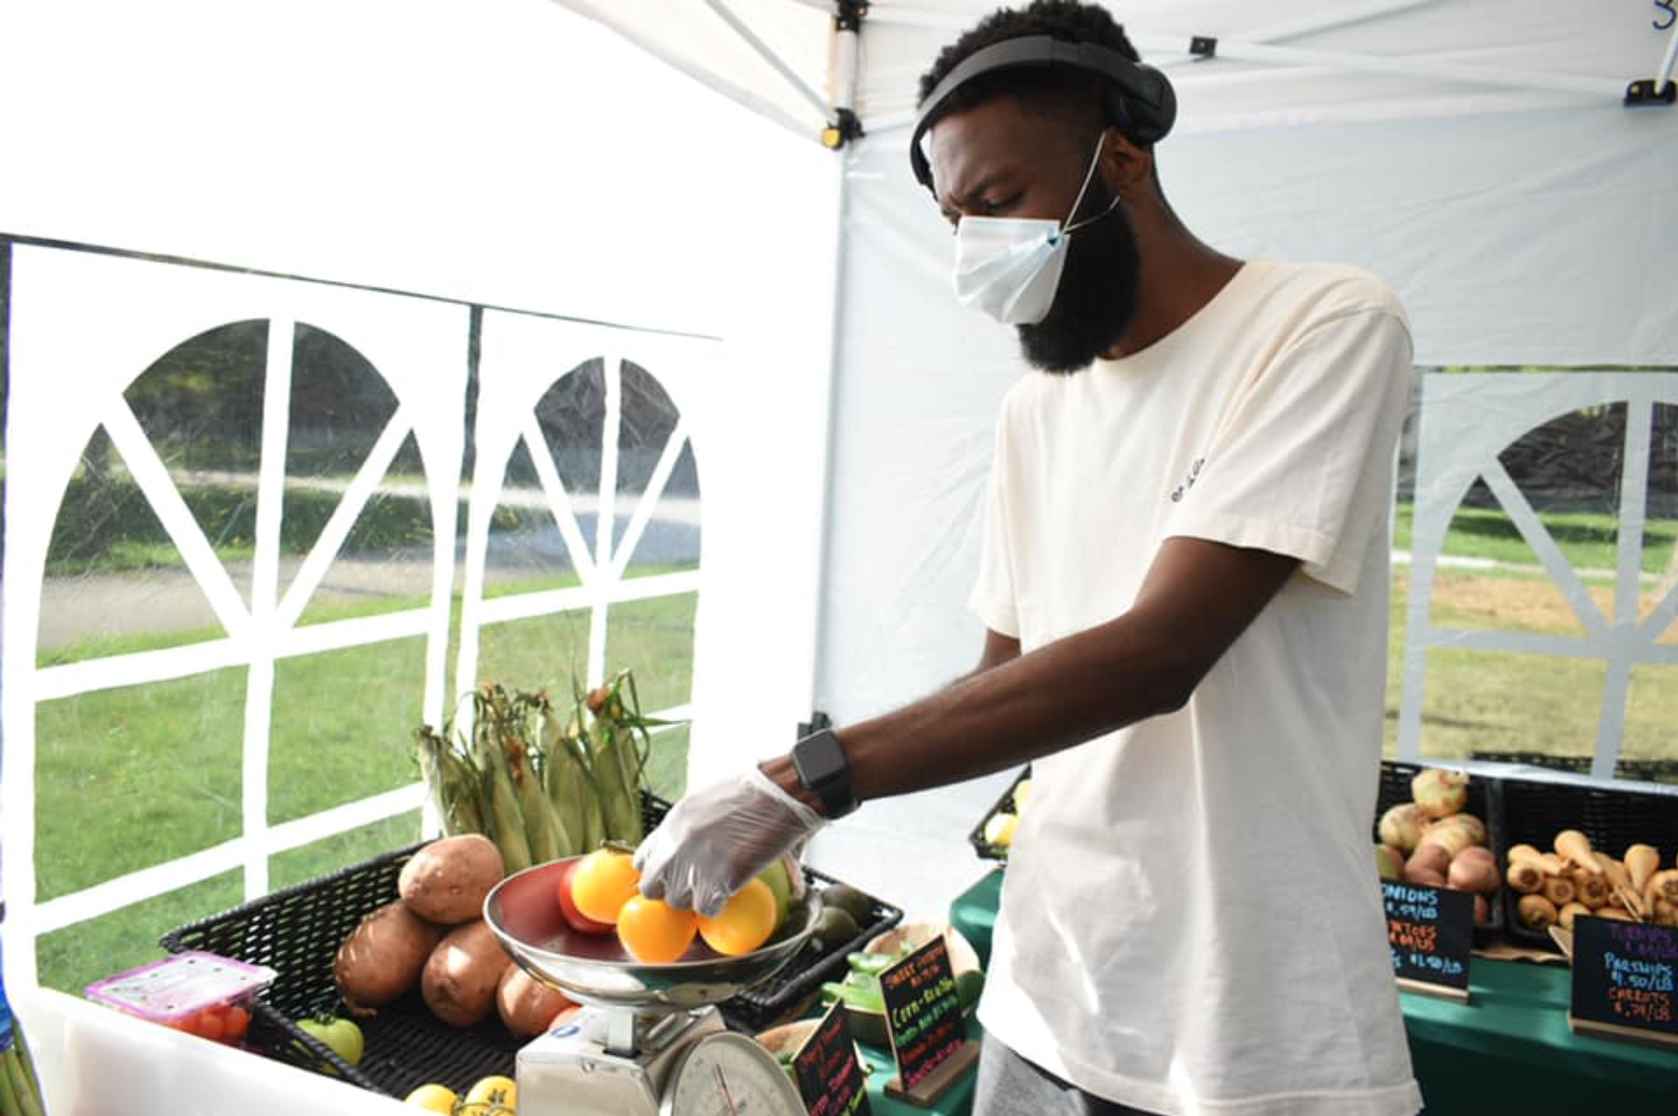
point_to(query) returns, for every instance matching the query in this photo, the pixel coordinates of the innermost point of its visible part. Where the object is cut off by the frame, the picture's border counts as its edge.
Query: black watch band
(820, 762)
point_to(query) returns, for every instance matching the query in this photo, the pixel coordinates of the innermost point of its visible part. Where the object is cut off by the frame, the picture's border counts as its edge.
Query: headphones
(1140, 100)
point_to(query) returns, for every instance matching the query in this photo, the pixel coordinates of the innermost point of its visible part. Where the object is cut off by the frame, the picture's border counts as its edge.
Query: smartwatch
(820, 762)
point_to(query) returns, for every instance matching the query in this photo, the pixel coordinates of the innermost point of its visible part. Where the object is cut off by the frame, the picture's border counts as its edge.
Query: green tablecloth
(1508, 1048)
(956, 1101)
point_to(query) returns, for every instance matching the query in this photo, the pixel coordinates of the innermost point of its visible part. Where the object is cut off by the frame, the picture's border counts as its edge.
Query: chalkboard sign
(830, 1079)
(1623, 979)
(923, 1017)
(1430, 932)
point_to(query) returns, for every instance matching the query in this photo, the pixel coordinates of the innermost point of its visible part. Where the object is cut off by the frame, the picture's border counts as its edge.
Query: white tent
(1482, 156)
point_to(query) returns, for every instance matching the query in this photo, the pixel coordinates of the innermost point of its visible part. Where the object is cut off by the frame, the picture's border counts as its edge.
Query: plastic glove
(715, 840)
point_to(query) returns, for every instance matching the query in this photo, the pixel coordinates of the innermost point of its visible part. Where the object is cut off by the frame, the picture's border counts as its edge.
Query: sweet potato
(462, 974)
(382, 957)
(525, 1004)
(446, 881)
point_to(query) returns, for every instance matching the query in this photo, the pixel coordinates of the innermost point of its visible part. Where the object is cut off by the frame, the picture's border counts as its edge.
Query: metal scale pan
(523, 911)
(650, 1037)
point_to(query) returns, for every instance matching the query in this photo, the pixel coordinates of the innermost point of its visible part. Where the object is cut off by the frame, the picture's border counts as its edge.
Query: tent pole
(776, 62)
(1664, 73)
(830, 439)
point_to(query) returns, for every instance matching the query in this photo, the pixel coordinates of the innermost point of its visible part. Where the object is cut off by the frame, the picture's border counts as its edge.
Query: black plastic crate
(1006, 803)
(785, 995)
(1484, 802)
(1535, 810)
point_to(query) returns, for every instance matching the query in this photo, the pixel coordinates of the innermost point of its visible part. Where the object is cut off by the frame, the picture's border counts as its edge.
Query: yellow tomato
(653, 931)
(493, 1096)
(744, 924)
(603, 882)
(433, 1098)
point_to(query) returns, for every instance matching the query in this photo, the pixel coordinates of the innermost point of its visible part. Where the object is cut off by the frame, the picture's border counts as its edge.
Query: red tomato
(578, 921)
(212, 1024)
(238, 1022)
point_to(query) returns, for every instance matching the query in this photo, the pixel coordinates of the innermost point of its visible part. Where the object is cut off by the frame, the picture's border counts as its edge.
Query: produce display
(1575, 878)
(542, 784)
(1432, 840)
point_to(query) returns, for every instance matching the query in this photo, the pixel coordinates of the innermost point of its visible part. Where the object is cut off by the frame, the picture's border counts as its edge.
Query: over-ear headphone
(1140, 100)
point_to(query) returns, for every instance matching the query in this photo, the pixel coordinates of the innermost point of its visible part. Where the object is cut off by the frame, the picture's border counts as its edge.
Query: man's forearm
(1197, 599)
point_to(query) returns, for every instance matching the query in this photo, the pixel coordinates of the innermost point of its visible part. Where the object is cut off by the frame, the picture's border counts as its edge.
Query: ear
(1126, 167)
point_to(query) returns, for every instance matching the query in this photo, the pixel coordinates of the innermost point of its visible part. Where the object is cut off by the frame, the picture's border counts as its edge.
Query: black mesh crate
(1484, 802)
(1535, 810)
(786, 994)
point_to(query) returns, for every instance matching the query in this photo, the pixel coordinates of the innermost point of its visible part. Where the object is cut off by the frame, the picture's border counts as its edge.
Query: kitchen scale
(649, 1040)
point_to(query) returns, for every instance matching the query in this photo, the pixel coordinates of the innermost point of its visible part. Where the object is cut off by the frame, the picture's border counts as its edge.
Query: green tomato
(342, 1036)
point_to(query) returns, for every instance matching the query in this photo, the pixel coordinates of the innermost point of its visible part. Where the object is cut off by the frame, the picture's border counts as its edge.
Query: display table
(1509, 1046)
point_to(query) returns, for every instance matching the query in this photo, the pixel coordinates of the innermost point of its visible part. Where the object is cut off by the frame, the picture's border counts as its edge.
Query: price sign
(1430, 932)
(1623, 980)
(830, 1079)
(923, 1017)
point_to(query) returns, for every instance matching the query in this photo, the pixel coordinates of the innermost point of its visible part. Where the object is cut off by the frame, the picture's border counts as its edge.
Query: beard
(1096, 297)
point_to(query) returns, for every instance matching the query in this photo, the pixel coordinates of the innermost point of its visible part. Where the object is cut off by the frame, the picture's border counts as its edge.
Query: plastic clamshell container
(200, 993)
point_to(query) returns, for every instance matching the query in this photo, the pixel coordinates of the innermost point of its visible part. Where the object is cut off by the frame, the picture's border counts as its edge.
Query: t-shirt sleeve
(1302, 462)
(992, 598)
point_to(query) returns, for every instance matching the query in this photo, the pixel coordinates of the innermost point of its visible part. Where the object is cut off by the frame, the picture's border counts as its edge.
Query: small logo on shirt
(1188, 481)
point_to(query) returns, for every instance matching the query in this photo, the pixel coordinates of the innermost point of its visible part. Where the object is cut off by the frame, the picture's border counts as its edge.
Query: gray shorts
(1011, 1086)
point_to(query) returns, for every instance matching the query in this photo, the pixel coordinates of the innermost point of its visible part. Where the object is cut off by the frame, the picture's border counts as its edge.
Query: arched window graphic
(1598, 636)
(230, 522)
(583, 541)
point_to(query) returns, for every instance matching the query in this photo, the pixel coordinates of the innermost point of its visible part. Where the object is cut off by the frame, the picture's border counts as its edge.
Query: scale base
(573, 1071)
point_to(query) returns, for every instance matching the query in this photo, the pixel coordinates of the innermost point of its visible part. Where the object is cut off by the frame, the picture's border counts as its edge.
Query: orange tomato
(603, 882)
(654, 932)
(744, 924)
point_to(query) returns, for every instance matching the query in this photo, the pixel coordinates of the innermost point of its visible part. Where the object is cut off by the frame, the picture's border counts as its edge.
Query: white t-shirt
(1191, 918)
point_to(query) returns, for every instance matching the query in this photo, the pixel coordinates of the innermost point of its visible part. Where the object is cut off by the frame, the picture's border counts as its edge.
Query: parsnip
(1642, 861)
(1523, 852)
(1591, 890)
(1557, 889)
(1566, 915)
(1524, 876)
(1573, 846)
(1536, 912)
(1614, 870)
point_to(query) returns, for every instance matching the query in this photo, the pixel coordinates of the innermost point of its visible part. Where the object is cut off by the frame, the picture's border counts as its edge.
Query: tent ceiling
(1282, 61)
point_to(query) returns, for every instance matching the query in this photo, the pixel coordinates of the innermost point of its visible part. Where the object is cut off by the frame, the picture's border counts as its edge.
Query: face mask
(1009, 267)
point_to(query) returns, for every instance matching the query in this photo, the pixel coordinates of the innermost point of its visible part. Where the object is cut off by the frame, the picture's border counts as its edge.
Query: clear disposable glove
(715, 840)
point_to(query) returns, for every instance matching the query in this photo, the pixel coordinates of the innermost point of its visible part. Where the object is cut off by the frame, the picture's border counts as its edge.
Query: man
(1184, 582)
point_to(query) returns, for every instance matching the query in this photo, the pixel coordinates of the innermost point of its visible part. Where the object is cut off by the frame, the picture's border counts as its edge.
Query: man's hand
(715, 840)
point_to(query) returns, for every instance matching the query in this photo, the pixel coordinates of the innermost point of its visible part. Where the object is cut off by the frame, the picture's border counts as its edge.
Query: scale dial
(727, 1074)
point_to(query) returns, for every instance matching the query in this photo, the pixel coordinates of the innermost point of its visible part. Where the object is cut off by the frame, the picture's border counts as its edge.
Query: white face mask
(1009, 267)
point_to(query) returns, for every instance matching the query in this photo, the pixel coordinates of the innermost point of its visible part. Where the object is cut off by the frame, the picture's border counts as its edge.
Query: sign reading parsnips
(1624, 978)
